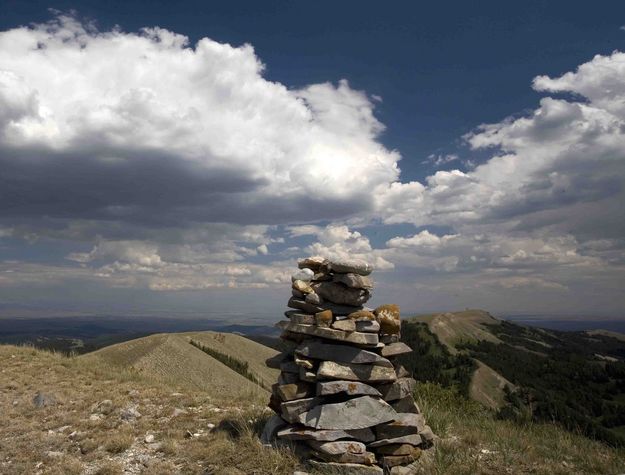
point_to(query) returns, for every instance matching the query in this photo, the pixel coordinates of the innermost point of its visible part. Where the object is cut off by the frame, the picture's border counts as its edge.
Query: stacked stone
(341, 394)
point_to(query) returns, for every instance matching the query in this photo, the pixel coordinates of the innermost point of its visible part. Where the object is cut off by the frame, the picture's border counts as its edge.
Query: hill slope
(182, 431)
(574, 378)
(172, 358)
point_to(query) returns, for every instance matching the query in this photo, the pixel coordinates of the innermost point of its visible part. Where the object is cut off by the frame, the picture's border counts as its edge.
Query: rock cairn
(342, 397)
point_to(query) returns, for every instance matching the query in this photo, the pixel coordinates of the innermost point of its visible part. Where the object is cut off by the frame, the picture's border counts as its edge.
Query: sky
(179, 159)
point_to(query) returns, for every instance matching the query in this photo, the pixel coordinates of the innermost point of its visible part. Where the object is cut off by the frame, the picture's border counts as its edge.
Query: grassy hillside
(201, 431)
(574, 378)
(172, 358)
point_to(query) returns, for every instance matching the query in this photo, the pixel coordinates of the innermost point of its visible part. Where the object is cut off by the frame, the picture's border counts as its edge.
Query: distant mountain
(575, 378)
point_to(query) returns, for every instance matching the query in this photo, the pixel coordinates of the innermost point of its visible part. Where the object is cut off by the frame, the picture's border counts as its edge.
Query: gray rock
(303, 433)
(344, 354)
(388, 339)
(288, 378)
(338, 447)
(289, 367)
(354, 281)
(365, 339)
(345, 325)
(412, 439)
(406, 404)
(297, 294)
(149, 438)
(395, 349)
(353, 266)
(340, 294)
(315, 263)
(276, 360)
(179, 412)
(400, 370)
(305, 275)
(366, 458)
(304, 306)
(305, 318)
(404, 470)
(304, 362)
(129, 413)
(288, 392)
(271, 428)
(307, 375)
(404, 424)
(398, 389)
(427, 434)
(291, 409)
(355, 372)
(314, 299)
(340, 309)
(367, 326)
(44, 399)
(351, 388)
(357, 413)
(346, 468)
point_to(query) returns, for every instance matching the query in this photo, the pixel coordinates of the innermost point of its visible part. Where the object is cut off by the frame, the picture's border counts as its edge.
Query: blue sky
(92, 227)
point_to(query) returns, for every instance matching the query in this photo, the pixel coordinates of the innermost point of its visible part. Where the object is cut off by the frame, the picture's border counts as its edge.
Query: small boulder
(42, 399)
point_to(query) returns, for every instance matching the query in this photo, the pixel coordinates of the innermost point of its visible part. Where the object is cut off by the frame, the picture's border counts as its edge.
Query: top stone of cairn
(338, 266)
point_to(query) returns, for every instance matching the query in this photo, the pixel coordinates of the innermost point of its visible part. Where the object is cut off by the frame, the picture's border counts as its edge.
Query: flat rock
(406, 404)
(307, 375)
(388, 339)
(304, 318)
(289, 366)
(404, 424)
(291, 409)
(288, 392)
(276, 360)
(304, 433)
(314, 263)
(344, 354)
(271, 428)
(351, 266)
(355, 372)
(42, 399)
(353, 281)
(340, 294)
(304, 306)
(357, 413)
(412, 439)
(370, 339)
(303, 362)
(395, 349)
(338, 447)
(288, 378)
(345, 325)
(367, 458)
(361, 315)
(399, 449)
(351, 388)
(297, 294)
(340, 309)
(427, 434)
(398, 389)
(367, 326)
(346, 468)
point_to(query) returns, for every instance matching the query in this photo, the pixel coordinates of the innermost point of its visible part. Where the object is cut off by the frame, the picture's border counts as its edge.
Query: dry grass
(473, 441)
(67, 439)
